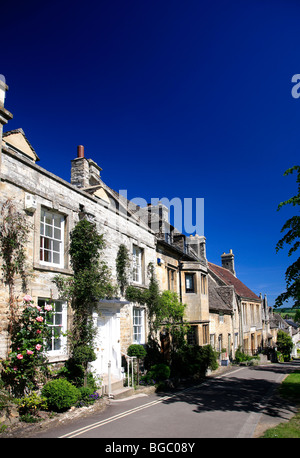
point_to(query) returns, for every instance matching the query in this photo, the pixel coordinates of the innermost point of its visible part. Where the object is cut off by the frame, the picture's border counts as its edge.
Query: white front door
(107, 343)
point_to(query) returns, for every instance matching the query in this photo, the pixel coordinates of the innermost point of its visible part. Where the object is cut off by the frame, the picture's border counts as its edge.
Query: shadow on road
(253, 390)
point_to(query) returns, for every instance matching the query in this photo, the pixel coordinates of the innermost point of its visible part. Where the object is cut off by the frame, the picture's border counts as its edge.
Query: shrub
(159, 372)
(284, 345)
(136, 350)
(29, 407)
(84, 354)
(193, 360)
(60, 394)
(87, 396)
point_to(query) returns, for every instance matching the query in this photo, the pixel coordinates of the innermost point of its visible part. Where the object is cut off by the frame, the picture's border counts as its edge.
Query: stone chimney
(228, 261)
(198, 244)
(158, 218)
(85, 173)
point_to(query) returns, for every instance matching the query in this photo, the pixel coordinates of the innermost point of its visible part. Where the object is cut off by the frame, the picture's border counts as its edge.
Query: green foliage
(139, 352)
(136, 350)
(291, 237)
(32, 403)
(13, 237)
(240, 356)
(83, 354)
(154, 354)
(60, 394)
(85, 244)
(27, 362)
(164, 309)
(284, 344)
(88, 396)
(135, 295)
(91, 280)
(159, 372)
(290, 387)
(122, 266)
(193, 360)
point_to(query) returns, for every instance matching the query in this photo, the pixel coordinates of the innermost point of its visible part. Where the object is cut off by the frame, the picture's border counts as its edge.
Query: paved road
(229, 406)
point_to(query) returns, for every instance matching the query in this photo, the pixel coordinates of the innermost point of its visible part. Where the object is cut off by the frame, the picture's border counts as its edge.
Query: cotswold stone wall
(20, 176)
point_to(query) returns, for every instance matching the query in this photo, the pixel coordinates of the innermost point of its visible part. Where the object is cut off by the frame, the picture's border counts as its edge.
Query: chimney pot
(80, 151)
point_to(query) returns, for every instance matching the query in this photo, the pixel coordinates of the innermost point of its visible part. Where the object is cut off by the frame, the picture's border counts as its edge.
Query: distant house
(294, 331)
(246, 309)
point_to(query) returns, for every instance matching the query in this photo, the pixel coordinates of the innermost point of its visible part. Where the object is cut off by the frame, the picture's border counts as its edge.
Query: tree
(164, 309)
(297, 316)
(139, 352)
(122, 266)
(90, 283)
(284, 344)
(291, 237)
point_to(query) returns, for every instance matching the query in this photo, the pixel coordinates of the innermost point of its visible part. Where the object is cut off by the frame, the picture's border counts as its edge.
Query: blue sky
(188, 99)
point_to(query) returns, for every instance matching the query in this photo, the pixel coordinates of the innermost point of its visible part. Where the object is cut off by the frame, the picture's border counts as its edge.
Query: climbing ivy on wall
(164, 308)
(13, 238)
(91, 280)
(122, 266)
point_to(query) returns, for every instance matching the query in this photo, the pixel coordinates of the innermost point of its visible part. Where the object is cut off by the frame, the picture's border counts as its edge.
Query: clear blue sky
(188, 99)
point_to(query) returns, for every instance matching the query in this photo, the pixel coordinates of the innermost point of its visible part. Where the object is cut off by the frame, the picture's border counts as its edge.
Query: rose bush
(27, 363)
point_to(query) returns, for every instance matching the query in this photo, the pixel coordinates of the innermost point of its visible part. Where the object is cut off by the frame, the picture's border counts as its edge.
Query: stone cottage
(53, 207)
(246, 309)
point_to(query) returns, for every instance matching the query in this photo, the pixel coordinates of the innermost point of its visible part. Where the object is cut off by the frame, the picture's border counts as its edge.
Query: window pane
(48, 219)
(46, 243)
(47, 256)
(57, 221)
(58, 307)
(51, 242)
(48, 231)
(57, 234)
(56, 258)
(57, 344)
(56, 246)
(58, 318)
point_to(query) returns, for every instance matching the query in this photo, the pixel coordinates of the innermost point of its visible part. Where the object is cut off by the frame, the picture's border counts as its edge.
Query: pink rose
(15, 368)
(20, 356)
(29, 352)
(48, 308)
(38, 331)
(27, 298)
(38, 347)
(40, 319)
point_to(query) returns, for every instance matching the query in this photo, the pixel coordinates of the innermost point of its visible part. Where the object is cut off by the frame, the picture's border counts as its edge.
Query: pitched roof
(17, 139)
(229, 279)
(217, 303)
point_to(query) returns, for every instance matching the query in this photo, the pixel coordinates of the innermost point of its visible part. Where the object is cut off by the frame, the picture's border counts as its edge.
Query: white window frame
(137, 259)
(138, 325)
(58, 323)
(50, 241)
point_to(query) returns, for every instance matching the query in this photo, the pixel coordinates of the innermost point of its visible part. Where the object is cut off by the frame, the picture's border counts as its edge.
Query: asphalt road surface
(232, 405)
